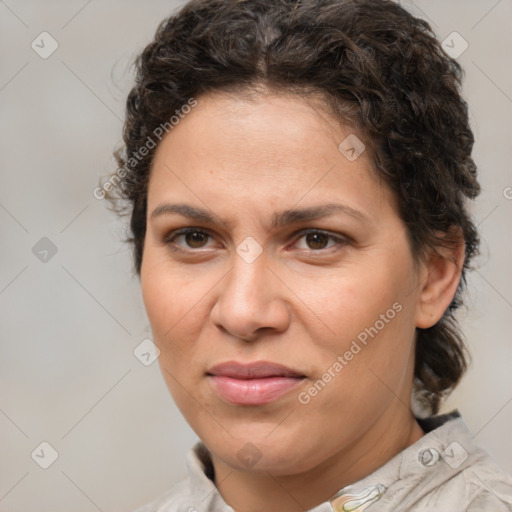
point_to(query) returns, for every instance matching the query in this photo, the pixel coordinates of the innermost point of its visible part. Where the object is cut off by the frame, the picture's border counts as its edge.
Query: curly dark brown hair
(377, 68)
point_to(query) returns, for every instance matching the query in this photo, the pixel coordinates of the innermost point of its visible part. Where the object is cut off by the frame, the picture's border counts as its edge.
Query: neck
(251, 491)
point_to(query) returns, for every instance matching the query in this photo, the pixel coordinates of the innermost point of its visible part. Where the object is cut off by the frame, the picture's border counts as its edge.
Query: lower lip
(253, 391)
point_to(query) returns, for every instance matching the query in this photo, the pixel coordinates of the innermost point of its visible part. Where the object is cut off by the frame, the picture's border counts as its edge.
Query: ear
(440, 278)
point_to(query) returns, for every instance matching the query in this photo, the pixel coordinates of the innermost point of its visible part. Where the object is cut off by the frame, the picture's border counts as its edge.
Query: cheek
(166, 311)
(357, 303)
(370, 315)
(170, 296)
(172, 308)
(178, 303)
(376, 365)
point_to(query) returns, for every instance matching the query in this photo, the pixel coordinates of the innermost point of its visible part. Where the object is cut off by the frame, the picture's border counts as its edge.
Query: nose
(251, 301)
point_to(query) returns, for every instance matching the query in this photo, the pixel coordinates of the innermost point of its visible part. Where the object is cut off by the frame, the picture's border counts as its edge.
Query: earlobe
(441, 277)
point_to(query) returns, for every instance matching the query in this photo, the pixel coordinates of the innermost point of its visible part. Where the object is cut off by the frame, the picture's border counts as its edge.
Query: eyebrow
(280, 219)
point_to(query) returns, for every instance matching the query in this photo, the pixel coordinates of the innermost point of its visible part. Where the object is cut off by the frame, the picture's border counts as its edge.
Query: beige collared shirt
(444, 471)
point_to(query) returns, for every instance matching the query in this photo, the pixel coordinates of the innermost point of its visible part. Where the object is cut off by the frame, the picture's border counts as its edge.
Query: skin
(301, 303)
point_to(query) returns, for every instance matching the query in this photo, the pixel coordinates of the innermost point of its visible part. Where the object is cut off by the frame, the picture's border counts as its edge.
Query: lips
(255, 383)
(257, 370)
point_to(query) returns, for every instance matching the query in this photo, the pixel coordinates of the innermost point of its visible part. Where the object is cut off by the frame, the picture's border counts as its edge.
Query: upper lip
(255, 370)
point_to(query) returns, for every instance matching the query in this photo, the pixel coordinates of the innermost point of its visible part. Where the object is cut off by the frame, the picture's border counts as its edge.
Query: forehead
(266, 149)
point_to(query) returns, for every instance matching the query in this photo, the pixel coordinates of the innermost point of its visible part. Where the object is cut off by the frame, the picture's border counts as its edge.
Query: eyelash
(171, 237)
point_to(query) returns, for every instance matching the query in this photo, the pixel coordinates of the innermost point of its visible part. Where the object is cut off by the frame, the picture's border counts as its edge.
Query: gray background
(70, 324)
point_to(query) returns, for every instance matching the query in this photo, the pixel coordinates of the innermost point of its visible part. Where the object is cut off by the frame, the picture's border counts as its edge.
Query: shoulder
(488, 487)
(444, 470)
(195, 492)
(176, 499)
(466, 475)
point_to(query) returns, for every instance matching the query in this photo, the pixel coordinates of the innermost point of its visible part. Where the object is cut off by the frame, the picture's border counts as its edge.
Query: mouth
(255, 383)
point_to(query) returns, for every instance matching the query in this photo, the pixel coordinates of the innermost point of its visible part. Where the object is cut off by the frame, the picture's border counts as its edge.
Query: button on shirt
(444, 471)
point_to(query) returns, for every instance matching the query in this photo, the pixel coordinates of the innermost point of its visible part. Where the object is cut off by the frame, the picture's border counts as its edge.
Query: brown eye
(193, 238)
(317, 240)
(196, 239)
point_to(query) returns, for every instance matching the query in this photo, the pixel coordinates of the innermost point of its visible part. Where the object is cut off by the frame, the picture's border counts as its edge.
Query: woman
(297, 175)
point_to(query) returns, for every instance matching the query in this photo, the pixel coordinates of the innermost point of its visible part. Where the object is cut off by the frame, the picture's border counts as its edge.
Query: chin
(279, 455)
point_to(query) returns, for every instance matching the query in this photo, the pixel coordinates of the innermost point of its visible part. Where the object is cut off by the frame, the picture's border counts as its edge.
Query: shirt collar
(414, 471)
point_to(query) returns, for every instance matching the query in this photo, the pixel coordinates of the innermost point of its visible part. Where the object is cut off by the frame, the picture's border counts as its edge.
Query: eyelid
(337, 237)
(169, 237)
(330, 234)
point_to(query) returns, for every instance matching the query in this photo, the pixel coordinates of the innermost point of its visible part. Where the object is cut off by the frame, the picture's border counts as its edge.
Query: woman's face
(286, 316)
